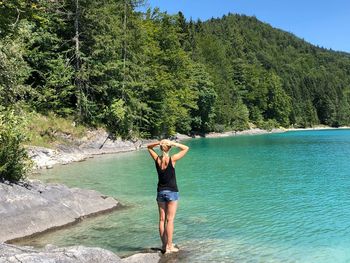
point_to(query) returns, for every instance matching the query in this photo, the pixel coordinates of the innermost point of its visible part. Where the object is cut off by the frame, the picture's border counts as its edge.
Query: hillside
(104, 64)
(252, 54)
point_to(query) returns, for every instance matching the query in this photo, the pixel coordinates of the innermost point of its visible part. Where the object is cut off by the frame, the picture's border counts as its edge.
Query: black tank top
(166, 177)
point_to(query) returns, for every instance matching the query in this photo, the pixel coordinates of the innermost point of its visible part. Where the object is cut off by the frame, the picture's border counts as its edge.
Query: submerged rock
(33, 207)
(143, 258)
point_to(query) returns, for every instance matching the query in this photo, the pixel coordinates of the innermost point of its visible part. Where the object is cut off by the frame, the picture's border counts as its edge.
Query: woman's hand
(166, 142)
(150, 147)
(179, 155)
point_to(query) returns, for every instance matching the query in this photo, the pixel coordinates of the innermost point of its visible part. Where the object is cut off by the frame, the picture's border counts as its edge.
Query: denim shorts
(167, 196)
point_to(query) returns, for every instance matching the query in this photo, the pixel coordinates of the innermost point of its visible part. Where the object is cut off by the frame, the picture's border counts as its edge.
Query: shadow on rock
(174, 257)
(20, 183)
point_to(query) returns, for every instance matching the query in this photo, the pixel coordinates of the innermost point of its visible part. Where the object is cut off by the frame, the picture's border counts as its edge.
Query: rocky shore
(78, 149)
(97, 142)
(31, 208)
(253, 131)
(74, 254)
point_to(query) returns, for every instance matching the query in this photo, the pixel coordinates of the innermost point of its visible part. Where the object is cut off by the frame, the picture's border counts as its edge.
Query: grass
(50, 130)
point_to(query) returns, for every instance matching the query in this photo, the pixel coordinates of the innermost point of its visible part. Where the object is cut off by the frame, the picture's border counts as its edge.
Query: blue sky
(325, 23)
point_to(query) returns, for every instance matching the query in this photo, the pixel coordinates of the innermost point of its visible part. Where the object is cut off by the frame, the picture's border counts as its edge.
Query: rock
(179, 136)
(74, 254)
(95, 143)
(143, 258)
(42, 157)
(252, 131)
(34, 207)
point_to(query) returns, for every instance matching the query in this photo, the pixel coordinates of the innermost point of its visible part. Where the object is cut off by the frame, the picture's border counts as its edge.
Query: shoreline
(253, 131)
(95, 143)
(33, 208)
(258, 131)
(319, 128)
(112, 147)
(81, 150)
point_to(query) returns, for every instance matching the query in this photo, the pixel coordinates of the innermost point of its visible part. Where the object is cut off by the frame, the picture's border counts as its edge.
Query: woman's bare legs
(167, 212)
(162, 215)
(169, 229)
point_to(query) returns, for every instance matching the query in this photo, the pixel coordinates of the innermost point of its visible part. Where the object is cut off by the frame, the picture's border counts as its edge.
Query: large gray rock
(94, 143)
(52, 254)
(74, 254)
(36, 207)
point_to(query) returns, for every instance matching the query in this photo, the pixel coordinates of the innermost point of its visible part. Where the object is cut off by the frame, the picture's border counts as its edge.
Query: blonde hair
(165, 143)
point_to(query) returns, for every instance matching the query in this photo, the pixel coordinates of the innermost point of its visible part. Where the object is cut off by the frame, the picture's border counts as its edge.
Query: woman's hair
(165, 152)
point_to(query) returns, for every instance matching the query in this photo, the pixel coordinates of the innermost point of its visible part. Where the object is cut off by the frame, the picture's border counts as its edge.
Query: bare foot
(163, 249)
(171, 249)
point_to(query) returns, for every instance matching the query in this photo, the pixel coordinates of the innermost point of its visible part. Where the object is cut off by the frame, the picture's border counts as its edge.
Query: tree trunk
(78, 82)
(124, 50)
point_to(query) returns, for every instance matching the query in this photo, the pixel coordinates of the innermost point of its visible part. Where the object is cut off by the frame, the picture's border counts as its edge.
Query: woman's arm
(150, 147)
(179, 155)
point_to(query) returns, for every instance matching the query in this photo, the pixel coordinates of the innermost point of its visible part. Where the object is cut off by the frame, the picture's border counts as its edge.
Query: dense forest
(147, 74)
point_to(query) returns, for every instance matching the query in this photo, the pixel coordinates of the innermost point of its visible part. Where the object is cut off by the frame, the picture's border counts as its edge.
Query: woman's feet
(171, 249)
(163, 249)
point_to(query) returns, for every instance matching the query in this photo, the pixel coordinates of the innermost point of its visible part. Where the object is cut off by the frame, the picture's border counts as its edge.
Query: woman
(167, 192)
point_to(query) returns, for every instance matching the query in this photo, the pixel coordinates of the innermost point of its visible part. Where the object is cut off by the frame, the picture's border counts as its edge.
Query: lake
(265, 198)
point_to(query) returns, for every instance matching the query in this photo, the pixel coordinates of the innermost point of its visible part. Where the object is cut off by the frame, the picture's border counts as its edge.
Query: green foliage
(268, 124)
(45, 130)
(171, 92)
(276, 74)
(12, 12)
(203, 115)
(102, 63)
(343, 110)
(115, 115)
(278, 105)
(14, 161)
(48, 55)
(13, 68)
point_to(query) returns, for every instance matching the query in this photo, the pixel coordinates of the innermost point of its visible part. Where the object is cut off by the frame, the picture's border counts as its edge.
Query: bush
(50, 129)
(219, 127)
(268, 124)
(14, 160)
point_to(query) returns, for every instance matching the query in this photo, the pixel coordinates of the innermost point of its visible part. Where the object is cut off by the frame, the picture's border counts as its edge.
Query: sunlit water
(267, 198)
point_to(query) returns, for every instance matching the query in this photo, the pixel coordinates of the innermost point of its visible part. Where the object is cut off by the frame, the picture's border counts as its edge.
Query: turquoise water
(267, 198)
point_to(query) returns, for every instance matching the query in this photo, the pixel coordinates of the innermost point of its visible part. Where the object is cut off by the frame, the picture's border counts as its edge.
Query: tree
(14, 161)
(279, 105)
(13, 69)
(204, 115)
